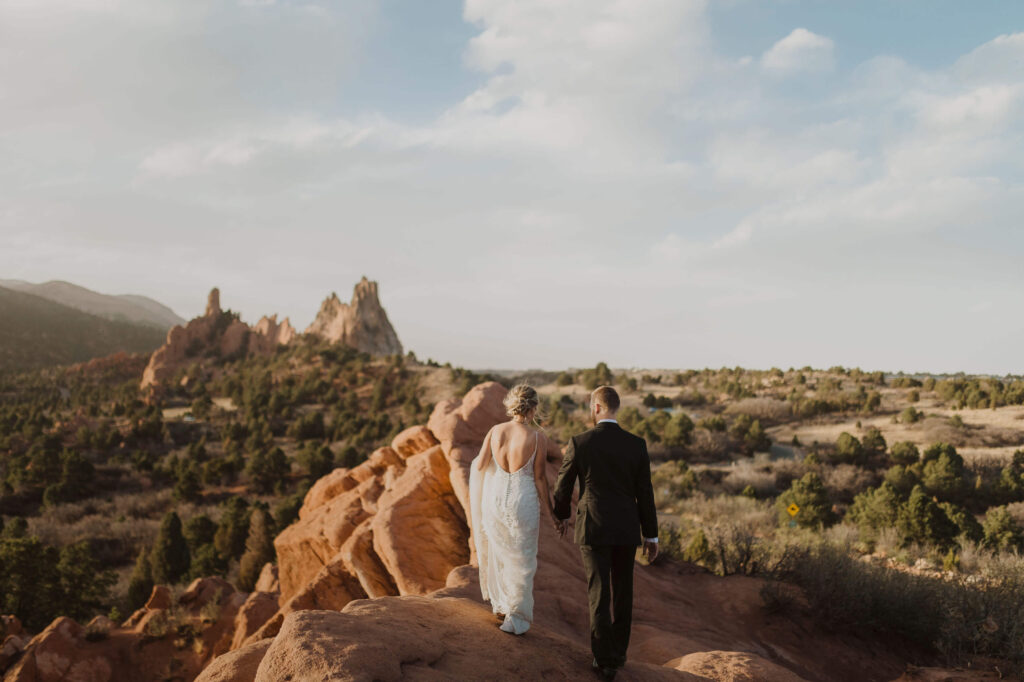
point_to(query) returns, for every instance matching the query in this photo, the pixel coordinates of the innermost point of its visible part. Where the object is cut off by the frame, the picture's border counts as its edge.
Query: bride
(507, 482)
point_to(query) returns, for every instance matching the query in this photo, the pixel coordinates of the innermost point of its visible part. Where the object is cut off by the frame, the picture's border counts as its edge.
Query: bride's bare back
(513, 444)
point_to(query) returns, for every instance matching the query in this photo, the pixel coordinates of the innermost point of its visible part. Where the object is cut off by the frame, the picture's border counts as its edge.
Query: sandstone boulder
(461, 425)
(203, 591)
(258, 608)
(54, 655)
(10, 650)
(413, 440)
(418, 532)
(268, 581)
(325, 489)
(159, 598)
(239, 665)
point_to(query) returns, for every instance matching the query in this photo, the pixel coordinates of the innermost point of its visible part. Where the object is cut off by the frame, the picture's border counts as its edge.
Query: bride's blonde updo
(520, 400)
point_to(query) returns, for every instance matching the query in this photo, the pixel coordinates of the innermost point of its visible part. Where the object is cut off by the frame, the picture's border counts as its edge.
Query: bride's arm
(484, 458)
(540, 477)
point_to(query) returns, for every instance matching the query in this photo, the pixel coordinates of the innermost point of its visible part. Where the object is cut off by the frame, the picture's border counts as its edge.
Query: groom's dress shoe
(603, 672)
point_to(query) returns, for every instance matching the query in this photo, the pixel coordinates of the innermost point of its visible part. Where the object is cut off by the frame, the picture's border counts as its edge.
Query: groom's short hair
(607, 396)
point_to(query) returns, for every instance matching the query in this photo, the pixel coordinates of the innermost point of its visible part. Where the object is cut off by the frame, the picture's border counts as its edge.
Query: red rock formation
(390, 526)
(460, 427)
(259, 607)
(268, 335)
(362, 324)
(147, 647)
(215, 333)
(425, 639)
(239, 665)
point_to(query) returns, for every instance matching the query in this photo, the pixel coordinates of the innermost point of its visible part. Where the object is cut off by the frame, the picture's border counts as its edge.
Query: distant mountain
(36, 332)
(123, 307)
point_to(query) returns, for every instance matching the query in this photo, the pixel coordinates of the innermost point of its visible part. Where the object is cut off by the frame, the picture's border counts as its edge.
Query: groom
(615, 510)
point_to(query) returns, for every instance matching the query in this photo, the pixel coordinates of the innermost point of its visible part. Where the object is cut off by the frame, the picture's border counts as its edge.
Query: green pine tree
(259, 549)
(169, 558)
(141, 583)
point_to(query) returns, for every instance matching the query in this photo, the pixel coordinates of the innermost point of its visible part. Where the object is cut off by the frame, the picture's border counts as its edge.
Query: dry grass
(117, 526)
(986, 433)
(756, 473)
(843, 481)
(765, 409)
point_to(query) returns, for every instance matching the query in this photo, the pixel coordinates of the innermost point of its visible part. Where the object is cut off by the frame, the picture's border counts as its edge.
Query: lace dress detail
(505, 513)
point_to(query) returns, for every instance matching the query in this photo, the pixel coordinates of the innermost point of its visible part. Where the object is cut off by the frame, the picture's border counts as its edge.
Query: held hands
(650, 551)
(561, 527)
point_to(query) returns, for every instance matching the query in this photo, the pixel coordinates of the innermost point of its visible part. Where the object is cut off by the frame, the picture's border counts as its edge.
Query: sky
(538, 183)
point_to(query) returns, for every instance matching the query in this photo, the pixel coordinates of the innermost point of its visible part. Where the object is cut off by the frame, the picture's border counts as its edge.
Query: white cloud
(800, 51)
(602, 141)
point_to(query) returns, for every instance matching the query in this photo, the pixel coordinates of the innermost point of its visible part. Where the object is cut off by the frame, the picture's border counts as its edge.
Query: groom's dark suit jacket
(616, 505)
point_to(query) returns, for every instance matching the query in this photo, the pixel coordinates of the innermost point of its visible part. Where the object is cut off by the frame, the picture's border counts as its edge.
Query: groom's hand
(561, 526)
(650, 551)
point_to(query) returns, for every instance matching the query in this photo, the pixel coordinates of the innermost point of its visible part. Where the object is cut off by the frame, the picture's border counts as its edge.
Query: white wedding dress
(505, 514)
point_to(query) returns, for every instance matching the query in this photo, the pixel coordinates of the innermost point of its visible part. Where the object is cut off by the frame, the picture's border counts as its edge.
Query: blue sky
(658, 183)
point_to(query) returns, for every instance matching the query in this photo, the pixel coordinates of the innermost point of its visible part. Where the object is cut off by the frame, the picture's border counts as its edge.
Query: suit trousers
(610, 590)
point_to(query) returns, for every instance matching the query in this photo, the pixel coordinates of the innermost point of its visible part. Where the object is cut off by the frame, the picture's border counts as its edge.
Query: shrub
(943, 471)
(308, 426)
(206, 561)
(960, 620)
(911, 415)
(268, 468)
(698, 551)
(712, 423)
(1001, 532)
(904, 452)
(815, 508)
(672, 481)
(678, 431)
(921, 520)
(600, 375)
(317, 460)
(849, 449)
(902, 479)
(873, 440)
(875, 509)
(967, 526)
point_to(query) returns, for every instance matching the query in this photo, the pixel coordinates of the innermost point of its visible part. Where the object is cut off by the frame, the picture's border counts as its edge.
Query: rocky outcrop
(268, 334)
(217, 333)
(239, 665)
(259, 607)
(390, 526)
(149, 646)
(361, 324)
(420, 638)
(461, 425)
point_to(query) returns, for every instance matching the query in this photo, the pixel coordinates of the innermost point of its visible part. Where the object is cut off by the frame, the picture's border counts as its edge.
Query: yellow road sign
(793, 509)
